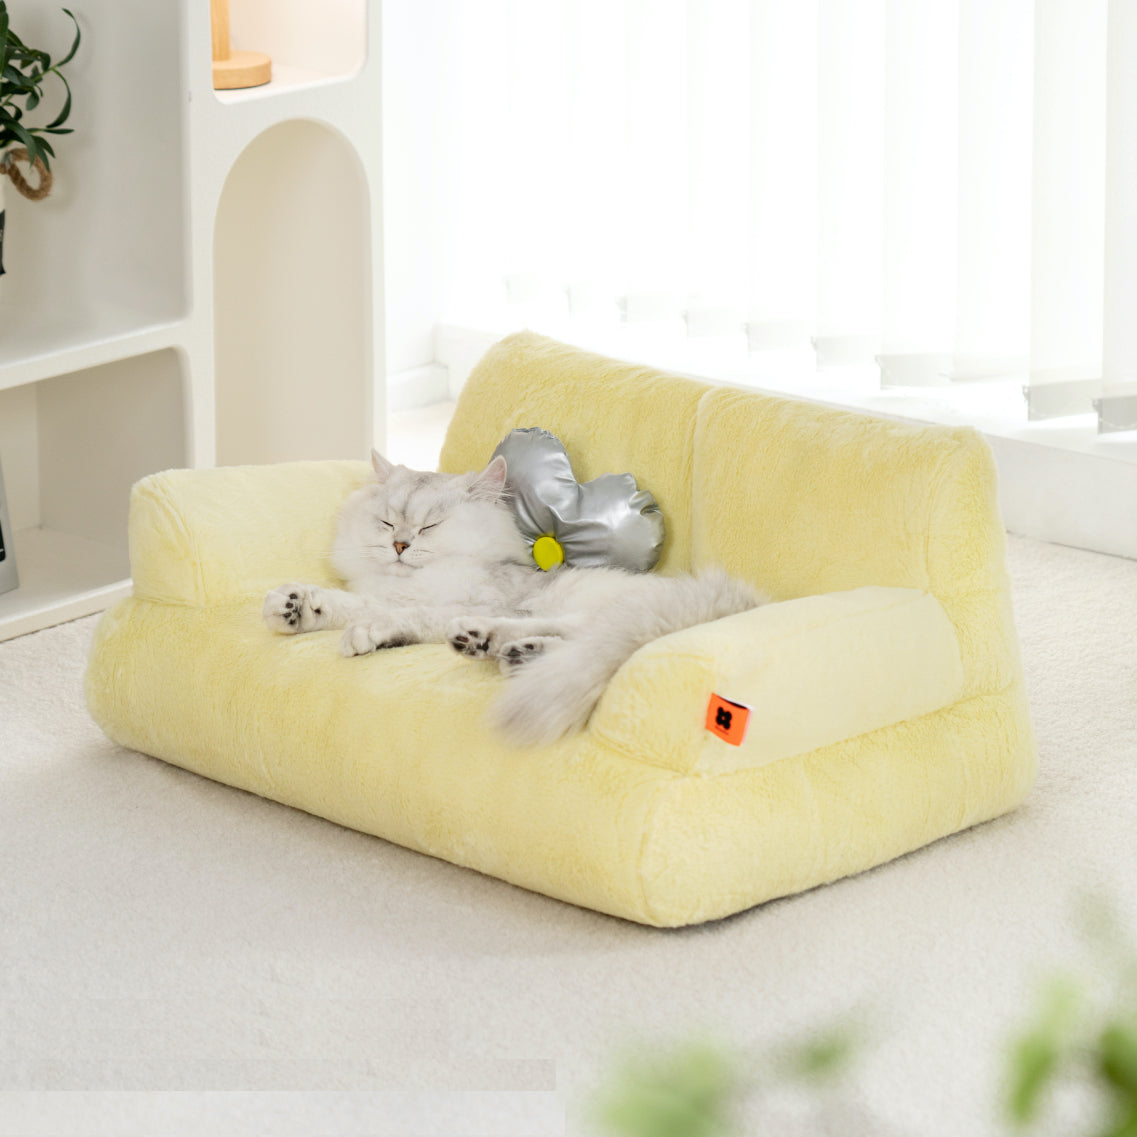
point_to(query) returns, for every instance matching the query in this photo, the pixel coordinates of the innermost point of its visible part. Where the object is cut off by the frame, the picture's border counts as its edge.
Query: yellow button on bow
(547, 552)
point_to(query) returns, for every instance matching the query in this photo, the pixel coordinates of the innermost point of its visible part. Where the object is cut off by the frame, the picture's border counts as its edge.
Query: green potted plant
(23, 72)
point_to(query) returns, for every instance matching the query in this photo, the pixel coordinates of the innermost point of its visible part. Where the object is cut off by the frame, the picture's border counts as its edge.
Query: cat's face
(408, 520)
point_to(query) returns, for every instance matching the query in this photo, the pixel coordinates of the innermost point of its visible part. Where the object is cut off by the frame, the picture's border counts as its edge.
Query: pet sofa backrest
(612, 417)
(798, 498)
(803, 499)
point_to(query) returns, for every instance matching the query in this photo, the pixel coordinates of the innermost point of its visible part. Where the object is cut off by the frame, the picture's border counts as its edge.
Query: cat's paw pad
(293, 608)
(373, 635)
(471, 639)
(517, 653)
(514, 655)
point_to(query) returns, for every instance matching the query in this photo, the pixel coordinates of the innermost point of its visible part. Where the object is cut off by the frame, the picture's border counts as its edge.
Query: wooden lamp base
(241, 69)
(232, 69)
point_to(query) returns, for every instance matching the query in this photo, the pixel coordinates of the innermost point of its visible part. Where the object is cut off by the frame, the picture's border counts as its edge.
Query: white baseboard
(418, 387)
(459, 350)
(456, 352)
(1068, 497)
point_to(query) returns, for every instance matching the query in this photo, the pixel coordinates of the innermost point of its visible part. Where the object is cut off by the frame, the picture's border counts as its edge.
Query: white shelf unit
(204, 284)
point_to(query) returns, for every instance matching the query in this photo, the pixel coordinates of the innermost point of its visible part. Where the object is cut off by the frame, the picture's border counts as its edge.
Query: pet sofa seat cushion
(887, 701)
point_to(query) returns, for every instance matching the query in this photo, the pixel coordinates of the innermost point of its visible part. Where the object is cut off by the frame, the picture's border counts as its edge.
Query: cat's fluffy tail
(554, 694)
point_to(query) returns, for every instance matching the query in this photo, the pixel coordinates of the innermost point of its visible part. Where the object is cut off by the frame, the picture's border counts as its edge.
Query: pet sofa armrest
(202, 537)
(812, 672)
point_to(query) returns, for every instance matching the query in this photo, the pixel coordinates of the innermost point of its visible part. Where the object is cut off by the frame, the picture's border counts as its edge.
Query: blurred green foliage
(1082, 1032)
(697, 1090)
(691, 1092)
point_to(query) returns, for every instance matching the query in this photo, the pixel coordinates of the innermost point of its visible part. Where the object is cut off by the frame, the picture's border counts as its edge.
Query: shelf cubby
(309, 44)
(72, 446)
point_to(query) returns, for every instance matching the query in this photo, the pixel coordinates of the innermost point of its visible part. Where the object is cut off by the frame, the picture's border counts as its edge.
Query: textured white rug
(160, 933)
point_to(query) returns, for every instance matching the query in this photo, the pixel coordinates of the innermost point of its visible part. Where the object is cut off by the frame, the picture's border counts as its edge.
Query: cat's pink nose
(401, 547)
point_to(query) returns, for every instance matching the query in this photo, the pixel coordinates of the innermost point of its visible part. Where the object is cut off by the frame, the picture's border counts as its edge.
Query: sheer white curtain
(1117, 409)
(944, 191)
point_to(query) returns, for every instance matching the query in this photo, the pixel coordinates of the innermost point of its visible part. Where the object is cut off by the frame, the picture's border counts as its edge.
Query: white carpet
(160, 933)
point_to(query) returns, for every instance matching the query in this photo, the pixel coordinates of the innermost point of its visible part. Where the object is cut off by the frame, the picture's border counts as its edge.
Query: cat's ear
(381, 466)
(490, 483)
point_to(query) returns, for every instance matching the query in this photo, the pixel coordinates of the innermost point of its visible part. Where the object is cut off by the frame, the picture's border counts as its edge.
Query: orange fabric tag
(727, 720)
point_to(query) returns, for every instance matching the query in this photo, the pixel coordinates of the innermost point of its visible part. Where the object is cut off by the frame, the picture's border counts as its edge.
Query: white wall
(413, 77)
(441, 200)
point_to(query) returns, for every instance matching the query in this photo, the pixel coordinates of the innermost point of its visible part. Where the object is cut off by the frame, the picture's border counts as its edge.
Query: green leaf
(35, 55)
(824, 1057)
(62, 116)
(12, 77)
(75, 43)
(30, 56)
(1118, 1058)
(3, 35)
(1037, 1056)
(687, 1094)
(1033, 1062)
(28, 141)
(1126, 1126)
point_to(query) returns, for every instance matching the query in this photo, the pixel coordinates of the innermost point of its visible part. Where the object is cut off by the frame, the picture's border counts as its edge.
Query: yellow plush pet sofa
(883, 687)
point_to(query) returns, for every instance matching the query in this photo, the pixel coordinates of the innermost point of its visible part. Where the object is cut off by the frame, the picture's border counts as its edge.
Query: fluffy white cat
(438, 558)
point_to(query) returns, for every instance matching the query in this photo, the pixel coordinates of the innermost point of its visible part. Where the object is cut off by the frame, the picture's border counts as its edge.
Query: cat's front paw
(373, 635)
(293, 608)
(471, 638)
(519, 652)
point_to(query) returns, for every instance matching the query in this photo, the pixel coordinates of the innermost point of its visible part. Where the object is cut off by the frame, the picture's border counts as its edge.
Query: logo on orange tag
(728, 720)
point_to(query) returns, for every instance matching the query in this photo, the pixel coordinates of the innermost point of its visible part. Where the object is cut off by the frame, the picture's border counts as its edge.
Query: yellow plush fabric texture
(206, 536)
(391, 745)
(802, 499)
(812, 671)
(719, 845)
(884, 537)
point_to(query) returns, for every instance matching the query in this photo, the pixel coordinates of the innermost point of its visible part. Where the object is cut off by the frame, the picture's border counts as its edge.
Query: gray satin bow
(608, 521)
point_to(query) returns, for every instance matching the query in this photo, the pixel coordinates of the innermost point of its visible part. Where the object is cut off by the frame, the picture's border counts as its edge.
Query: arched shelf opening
(292, 334)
